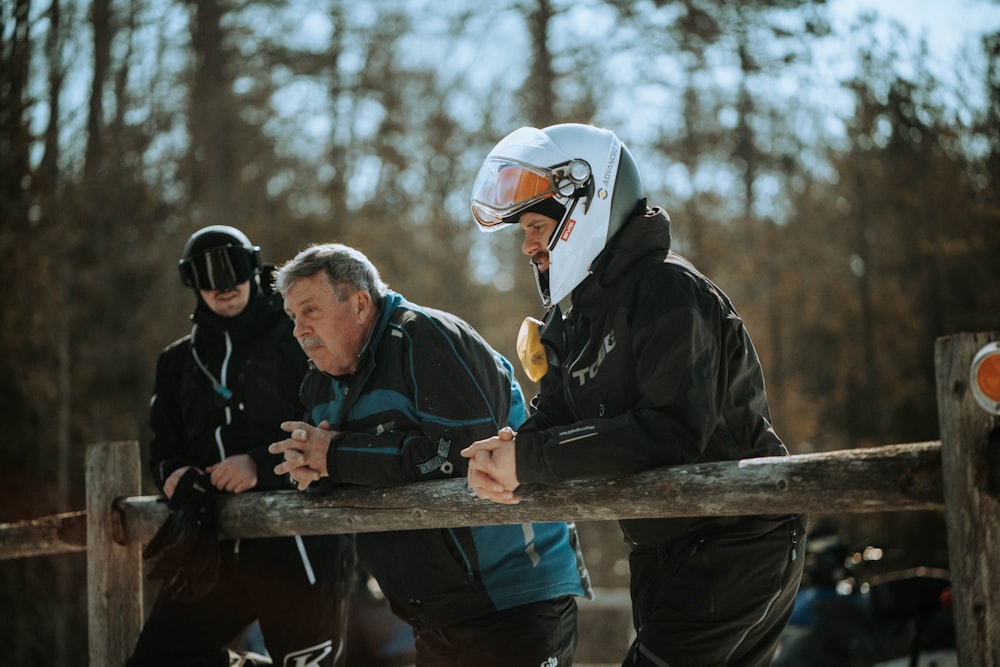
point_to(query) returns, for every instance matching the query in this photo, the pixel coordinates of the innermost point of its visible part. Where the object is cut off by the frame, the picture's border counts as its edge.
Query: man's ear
(362, 302)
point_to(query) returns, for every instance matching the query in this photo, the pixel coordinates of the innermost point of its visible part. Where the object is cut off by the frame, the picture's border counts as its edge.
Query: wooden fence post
(970, 479)
(114, 567)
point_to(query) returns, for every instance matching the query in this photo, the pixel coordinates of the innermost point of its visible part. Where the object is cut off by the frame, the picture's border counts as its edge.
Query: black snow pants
(297, 587)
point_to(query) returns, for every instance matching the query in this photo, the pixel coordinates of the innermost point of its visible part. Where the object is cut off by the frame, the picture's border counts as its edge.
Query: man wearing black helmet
(220, 395)
(643, 363)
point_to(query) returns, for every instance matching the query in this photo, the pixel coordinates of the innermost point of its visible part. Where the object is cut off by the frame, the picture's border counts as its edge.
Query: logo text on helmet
(609, 169)
(569, 229)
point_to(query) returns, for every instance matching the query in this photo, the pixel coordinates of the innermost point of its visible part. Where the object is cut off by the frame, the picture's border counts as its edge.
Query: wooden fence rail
(895, 477)
(57, 534)
(959, 474)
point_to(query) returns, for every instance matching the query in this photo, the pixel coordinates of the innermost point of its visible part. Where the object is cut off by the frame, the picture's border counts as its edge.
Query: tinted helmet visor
(504, 188)
(220, 269)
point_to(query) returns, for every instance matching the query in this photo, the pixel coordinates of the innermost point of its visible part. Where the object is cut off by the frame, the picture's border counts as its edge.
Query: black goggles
(220, 269)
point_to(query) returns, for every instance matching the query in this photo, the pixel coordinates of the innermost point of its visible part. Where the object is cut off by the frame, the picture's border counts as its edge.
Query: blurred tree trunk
(991, 122)
(231, 163)
(745, 151)
(987, 185)
(49, 171)
(866, 399)
(689, 153)
(342, 99)
(15, 52)
(15, 203)
(211, 117)
(100, 23)
(538, 92)
(49, 167)
(86, 272)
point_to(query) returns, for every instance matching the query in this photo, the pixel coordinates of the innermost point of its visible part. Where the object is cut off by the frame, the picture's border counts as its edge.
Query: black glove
(185, 550)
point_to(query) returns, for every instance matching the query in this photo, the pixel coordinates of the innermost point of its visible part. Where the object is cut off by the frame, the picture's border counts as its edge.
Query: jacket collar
(644, 234)
(390, 302)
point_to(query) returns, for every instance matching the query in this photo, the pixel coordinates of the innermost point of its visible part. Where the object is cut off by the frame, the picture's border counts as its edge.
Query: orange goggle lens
(516, 185)
(504, 188)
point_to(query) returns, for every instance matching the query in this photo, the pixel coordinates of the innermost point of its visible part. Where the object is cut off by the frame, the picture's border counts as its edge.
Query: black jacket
(256, 357)
(657, 370)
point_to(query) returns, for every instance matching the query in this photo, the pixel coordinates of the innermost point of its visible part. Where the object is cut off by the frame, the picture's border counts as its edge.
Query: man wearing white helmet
(649, 366)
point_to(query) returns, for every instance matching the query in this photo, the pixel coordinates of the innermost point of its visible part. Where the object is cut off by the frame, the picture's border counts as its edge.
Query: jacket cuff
(530, 459)
(332, 469)
(265, 462)
(165, 469)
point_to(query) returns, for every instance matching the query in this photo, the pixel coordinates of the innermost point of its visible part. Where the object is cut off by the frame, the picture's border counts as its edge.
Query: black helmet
(218, 257)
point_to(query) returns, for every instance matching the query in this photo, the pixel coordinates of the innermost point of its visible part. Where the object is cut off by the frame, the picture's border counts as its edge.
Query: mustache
(310, 342)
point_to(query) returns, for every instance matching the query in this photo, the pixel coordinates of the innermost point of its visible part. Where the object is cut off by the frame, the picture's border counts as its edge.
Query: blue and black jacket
(428, 385)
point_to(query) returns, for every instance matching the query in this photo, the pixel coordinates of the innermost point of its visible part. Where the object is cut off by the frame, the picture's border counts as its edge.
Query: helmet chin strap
(542, 277)
(578, 179)
(542, 283)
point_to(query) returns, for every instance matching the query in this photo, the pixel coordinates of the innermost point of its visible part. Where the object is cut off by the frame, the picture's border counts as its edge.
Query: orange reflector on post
(984, 376)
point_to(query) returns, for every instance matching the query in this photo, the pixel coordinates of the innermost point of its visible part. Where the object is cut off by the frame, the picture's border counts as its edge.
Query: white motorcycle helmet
(581, 175)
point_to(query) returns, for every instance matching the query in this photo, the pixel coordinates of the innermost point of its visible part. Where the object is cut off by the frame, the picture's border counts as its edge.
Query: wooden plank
(970, 451)
(114, 568)
(893, 477)
(55, 534)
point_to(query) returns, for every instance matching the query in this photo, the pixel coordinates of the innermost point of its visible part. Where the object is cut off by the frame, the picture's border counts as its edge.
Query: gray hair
(345, 267)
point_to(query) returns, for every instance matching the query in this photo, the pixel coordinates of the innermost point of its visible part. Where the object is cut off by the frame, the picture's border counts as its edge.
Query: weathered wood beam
(55, 534)
(888, 478)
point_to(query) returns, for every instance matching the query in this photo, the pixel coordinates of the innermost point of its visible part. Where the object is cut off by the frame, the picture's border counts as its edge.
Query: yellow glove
(530, 349)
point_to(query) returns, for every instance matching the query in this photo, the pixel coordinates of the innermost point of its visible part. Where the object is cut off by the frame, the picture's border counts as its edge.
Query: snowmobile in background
(897, 619)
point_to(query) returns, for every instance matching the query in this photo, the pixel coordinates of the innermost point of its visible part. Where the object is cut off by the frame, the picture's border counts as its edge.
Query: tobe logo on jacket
(590, 372)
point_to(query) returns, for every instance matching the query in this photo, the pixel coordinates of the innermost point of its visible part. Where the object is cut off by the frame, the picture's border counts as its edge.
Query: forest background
(840, 185)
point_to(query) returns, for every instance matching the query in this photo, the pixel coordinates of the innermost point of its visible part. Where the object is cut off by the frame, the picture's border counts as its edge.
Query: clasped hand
(492, 462)
(305, 452)
(235, 474)
(493, 467)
